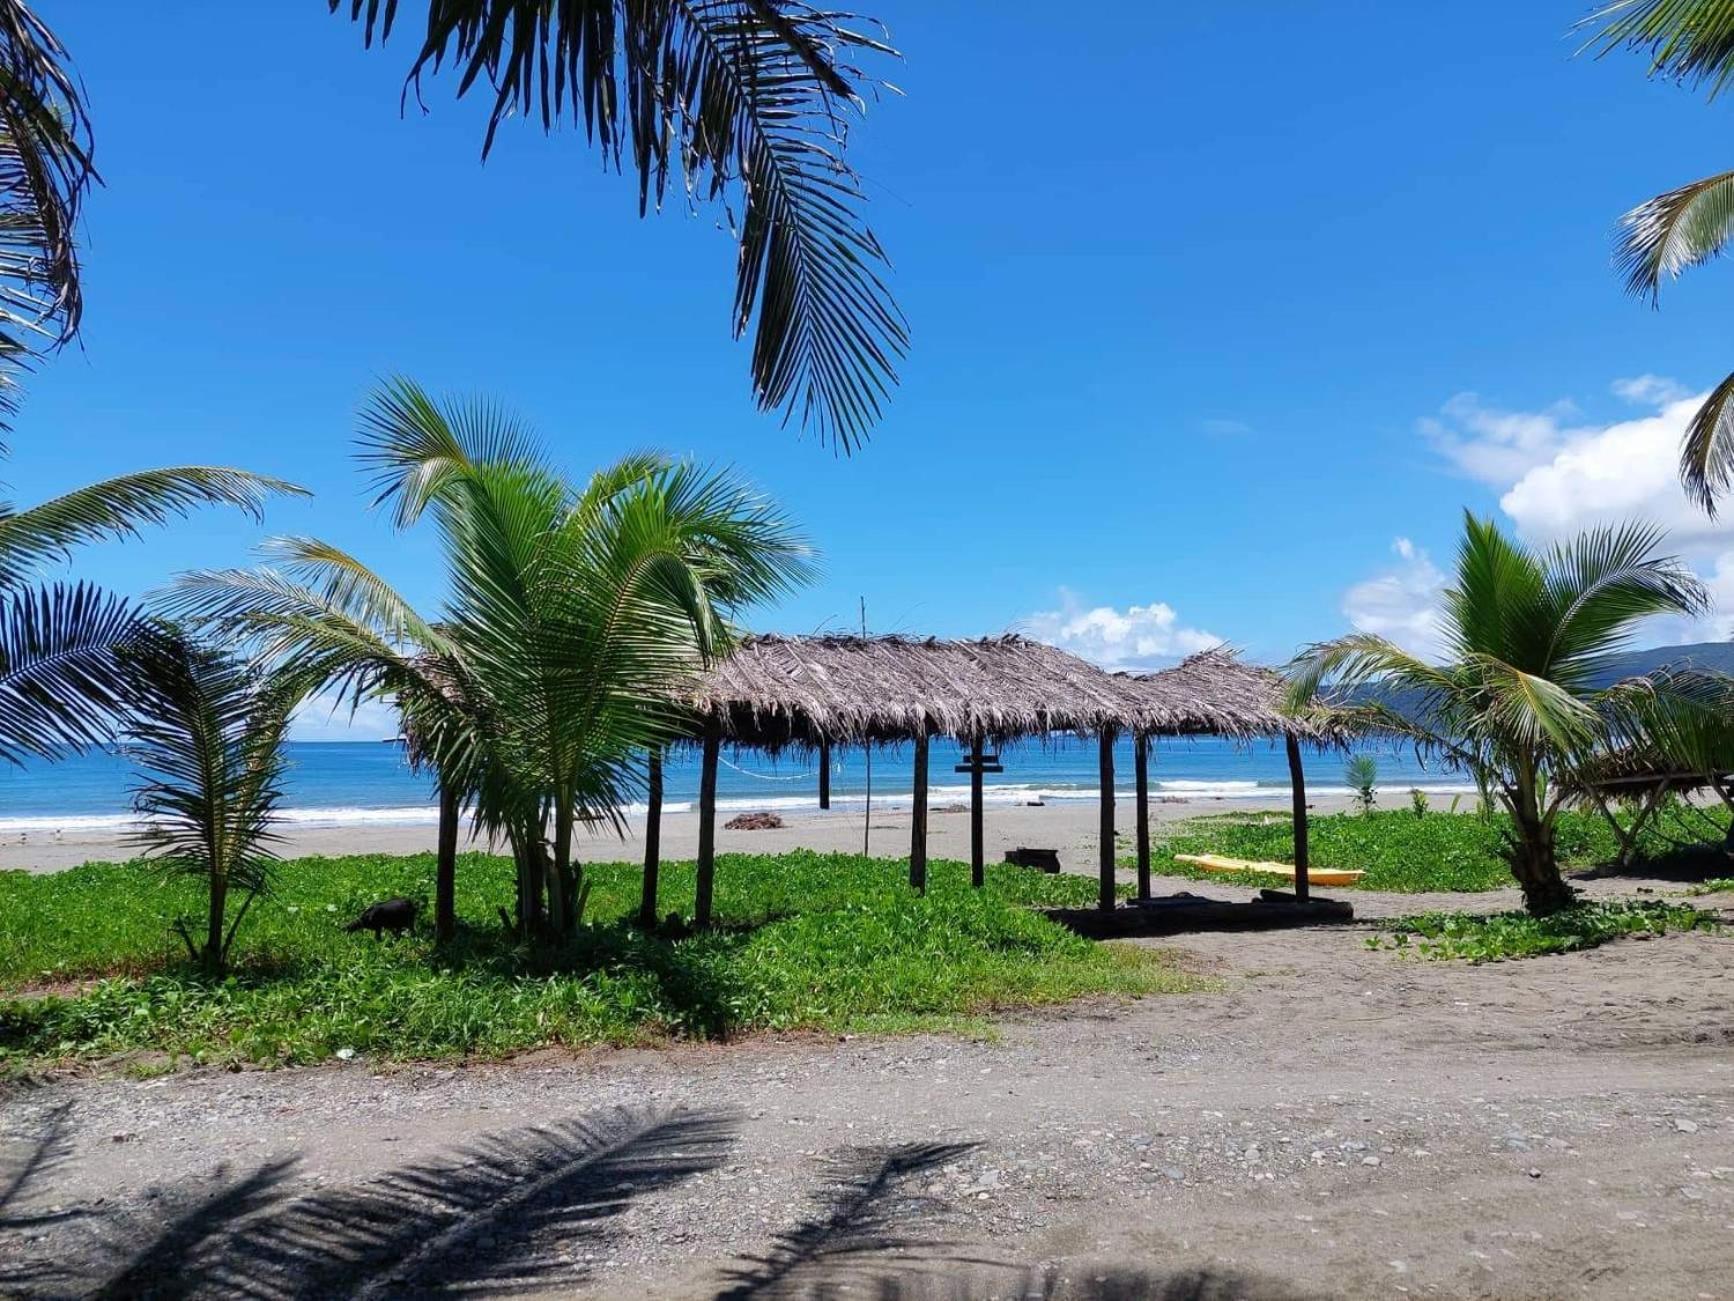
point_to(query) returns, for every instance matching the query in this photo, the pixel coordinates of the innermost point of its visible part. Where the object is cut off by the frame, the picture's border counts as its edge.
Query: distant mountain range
(1711, 656)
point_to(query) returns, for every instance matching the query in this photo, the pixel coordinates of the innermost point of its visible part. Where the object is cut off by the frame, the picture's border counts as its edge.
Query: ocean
(338, 783)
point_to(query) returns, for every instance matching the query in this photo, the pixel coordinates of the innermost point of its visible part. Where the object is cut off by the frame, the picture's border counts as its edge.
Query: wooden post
(707, 823)
(824, 774)
(446, 868)
(1141, 760)
(1298, 789)
(918, 821)
(652, 838)
(977, 859)
(1105, 862)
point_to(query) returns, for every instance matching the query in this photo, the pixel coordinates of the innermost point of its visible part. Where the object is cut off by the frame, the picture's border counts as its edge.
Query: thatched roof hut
(1216, 693)
(774, 692)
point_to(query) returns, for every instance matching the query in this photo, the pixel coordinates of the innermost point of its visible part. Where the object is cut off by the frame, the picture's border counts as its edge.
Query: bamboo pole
(1298, 794)
(1105, 857)
(918, 822)
(1141, 761)
(977, 859)
(652, 838)
(707, 823)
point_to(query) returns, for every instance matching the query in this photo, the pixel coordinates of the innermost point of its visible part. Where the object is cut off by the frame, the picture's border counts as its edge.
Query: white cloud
(1140, 636)
(1650, 390)
(1402, 603)
(325, 719)
(1557, 475)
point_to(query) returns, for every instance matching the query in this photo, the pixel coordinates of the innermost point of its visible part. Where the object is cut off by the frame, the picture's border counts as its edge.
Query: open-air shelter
(777, 693)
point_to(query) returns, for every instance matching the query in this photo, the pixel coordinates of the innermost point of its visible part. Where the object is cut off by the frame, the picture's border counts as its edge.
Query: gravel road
(1334, 1122)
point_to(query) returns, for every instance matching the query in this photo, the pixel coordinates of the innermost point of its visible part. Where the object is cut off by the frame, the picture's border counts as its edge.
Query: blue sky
(1219, 319)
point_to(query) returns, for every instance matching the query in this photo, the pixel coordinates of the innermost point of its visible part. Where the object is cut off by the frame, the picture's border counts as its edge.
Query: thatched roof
(777, 691)
(1215, 693)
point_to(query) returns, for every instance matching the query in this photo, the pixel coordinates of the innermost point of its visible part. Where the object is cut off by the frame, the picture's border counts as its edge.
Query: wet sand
(1070, 827)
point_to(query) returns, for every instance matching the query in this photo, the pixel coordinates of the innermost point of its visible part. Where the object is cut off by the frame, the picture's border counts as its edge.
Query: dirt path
(1335, 1122)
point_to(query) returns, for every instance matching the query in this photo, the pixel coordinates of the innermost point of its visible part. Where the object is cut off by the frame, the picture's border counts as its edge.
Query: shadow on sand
(509, 1213)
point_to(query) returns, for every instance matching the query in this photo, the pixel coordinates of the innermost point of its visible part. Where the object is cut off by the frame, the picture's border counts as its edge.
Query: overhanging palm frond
(1599, 586)
(1663, 236)
(120, 507)
(1689, 40)
(1707, 451)
(45, 171)
(751, 100)
(61, 679)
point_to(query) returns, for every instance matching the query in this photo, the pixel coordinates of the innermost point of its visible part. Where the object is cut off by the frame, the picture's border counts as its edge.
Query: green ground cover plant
(89, 965)
(1484, 938)
(1397, 850)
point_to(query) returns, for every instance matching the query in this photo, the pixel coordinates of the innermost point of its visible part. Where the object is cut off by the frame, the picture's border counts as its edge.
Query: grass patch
(1715, 885)
(1397, 850)
(89, 968)
(1518, 935)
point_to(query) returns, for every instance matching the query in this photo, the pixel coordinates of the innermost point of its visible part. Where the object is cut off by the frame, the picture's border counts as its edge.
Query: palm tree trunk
(213, 955)
(446, 869)
(1532, 854)
(560, 893)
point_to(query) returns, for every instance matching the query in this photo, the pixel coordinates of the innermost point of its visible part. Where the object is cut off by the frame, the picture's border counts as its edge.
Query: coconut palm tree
(207, 730)
(574, 614)
(1516, 701)
(748, 103)
(1691, 41)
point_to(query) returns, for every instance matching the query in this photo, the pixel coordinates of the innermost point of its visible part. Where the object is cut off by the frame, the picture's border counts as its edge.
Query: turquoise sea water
(360, 782)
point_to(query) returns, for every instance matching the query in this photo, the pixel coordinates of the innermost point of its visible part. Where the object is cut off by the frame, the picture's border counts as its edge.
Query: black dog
(394, 915)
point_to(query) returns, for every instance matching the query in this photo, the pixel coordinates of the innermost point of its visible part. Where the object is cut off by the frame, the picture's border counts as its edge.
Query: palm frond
(45, 172)
(1691, 41)
(1599, 586)
(1663, 236)
(206, 730)
(751, 100)
(61, 677)
(1707, 451)
(120, 507)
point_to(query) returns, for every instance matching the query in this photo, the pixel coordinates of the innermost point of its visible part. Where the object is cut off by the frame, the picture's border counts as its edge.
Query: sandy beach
(1068, 826)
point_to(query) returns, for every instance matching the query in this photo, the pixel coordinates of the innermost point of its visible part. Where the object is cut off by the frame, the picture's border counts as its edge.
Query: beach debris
(754, 822)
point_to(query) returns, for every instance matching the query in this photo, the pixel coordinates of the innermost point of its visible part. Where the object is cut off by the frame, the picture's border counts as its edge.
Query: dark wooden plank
(1180, 918)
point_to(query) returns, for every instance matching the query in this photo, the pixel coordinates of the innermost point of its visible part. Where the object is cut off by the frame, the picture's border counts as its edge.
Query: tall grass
(806, 941)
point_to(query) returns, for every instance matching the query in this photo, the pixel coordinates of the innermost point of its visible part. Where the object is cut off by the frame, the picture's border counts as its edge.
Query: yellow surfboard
(1315, 875)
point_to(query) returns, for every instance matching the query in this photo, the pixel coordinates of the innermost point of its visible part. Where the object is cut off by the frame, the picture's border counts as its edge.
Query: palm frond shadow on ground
(482, 1217)
(1082, 1282)
(24, 1164)
(867, 1210)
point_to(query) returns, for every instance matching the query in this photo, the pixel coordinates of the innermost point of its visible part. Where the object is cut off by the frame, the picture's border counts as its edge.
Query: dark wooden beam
(446, 868)
(1105, 858)
(652, 838)
(977, 862)
(918, 822)
(1298, 790)
(824, 774)
(1141, 757)
(707, 823)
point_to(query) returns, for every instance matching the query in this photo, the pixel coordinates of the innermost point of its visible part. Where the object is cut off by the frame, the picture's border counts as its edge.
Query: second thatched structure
(775, 693)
